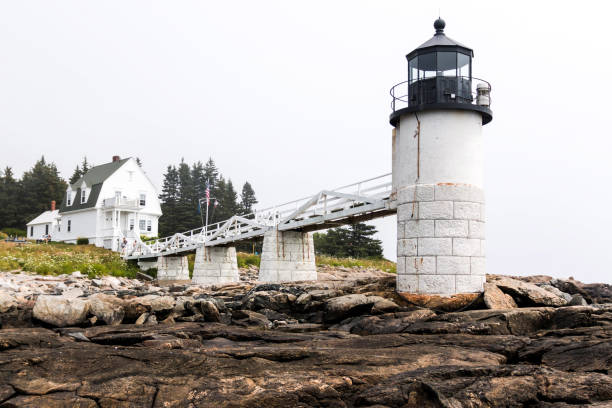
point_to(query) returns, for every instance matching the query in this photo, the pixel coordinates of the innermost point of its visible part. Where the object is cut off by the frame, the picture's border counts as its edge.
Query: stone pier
(173, 268)
(214, 265)
(287, 256)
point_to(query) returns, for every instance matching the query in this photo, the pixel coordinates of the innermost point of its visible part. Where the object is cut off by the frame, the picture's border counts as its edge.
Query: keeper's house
(110, 202)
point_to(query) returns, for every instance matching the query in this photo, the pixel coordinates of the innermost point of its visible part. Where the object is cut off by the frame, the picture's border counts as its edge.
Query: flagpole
(207, 200)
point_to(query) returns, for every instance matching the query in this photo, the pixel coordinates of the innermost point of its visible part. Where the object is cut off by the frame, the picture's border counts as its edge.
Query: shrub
(144, 238)
(16, 232)
(82, 241)
(3, 235)
(244, 260)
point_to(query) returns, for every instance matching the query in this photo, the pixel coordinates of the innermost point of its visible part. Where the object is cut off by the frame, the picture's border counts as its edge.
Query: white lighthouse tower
(438, 115)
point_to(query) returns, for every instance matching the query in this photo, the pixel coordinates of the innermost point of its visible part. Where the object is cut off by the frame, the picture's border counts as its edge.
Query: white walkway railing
(335, 206)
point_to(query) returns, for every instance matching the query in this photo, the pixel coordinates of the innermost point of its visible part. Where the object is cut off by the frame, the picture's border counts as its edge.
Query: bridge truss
(361, 201)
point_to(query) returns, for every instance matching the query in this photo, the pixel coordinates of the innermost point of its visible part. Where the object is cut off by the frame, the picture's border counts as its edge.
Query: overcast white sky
(293, 97)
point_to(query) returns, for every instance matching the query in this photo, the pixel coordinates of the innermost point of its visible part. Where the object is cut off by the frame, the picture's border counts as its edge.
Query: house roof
(94, 178)
(98, 174)
(45, 218)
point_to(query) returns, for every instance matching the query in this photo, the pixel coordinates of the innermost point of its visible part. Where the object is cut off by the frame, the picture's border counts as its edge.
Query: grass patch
(375, 263)
(58, 258)
(244, 260)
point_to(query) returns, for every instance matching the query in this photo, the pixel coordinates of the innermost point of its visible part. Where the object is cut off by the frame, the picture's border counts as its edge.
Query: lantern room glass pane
(463, 65)
(413, 69)
(427, 65)
(447, 64)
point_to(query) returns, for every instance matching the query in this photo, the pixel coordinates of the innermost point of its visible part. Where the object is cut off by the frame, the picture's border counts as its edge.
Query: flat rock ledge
(346, 341)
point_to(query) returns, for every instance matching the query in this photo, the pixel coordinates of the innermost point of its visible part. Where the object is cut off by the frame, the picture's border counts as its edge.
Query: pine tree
(211, 173)
(76, 175)
(85, 166)
(40, 185)
(231, 199)
(186, 211)
(10, 191)
(169, 201)
(247, 199)
(219, 212)
(355, 241)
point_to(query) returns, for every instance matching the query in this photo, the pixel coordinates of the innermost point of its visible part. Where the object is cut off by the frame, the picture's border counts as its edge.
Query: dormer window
(143, 200)
(68, 198)
(83, 196)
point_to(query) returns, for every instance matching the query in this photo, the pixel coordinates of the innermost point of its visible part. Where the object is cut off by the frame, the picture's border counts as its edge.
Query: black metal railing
(437, 89)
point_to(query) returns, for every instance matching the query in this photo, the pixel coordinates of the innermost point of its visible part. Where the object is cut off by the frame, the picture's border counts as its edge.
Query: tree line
(184, 187)
(23, 199)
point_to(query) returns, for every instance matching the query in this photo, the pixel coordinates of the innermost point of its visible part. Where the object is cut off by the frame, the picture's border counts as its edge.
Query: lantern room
(440, 77)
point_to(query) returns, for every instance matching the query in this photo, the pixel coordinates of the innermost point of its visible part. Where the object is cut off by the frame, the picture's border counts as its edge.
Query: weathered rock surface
(336, 343)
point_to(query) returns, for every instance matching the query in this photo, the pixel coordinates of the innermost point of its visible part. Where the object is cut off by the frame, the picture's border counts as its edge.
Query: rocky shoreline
(347, 340)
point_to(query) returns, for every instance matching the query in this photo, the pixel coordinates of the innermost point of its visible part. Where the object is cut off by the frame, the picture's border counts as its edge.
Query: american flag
(207, 193)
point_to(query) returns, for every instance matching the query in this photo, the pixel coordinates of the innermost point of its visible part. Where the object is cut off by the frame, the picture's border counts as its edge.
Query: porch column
(287, 256)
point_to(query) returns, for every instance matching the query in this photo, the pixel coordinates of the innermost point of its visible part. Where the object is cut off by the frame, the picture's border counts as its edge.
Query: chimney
(116, 158)
(53, 205)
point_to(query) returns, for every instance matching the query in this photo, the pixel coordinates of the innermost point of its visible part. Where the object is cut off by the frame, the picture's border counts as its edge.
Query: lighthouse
(438, 181)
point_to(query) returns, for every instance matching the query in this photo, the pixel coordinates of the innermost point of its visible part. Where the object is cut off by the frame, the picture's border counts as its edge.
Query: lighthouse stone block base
(173, 268)
(287, 256)
(215, 265)
(440, 230)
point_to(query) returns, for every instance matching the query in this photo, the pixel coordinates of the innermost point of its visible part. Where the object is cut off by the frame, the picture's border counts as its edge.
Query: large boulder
(60, 311)
(106, 308)
(148, 304)
(494, 298)
(7, 302)
(528, 294)
(345, 306)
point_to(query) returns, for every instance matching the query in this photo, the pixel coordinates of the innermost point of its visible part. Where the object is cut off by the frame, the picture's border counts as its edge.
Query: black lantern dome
(440, 77)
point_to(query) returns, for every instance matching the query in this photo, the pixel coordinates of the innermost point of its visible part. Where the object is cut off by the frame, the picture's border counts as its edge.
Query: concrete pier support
(287, 256)
(214, 265)
(173, 268)
(145, 265)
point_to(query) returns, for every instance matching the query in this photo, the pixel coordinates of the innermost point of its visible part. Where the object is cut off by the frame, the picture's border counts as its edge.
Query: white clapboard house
(110, 202)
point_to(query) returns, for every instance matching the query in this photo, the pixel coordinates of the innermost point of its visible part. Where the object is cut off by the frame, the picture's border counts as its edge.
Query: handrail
(372, 191)
(404, 97)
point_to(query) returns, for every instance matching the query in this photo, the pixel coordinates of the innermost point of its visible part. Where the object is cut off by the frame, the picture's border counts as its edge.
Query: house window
(83, 196)
(69, 225)
(68, 200)
(142, 224)
(47, 229)
(131, 224)
(31, 231)
(143, 200)
(148, 225)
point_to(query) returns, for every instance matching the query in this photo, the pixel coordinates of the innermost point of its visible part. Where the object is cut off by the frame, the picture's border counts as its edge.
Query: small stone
(494, 298)
(577, 300)
(142, 319)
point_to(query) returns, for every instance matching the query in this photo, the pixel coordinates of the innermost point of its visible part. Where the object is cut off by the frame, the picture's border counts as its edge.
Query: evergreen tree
(40, 185)
(10, 190)
(85, 166)
(219, 212)
(186, 211)
(354, 241)
(247, 198)
(76, 175)
(199, 181)
(169, 201)
(211, 173)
